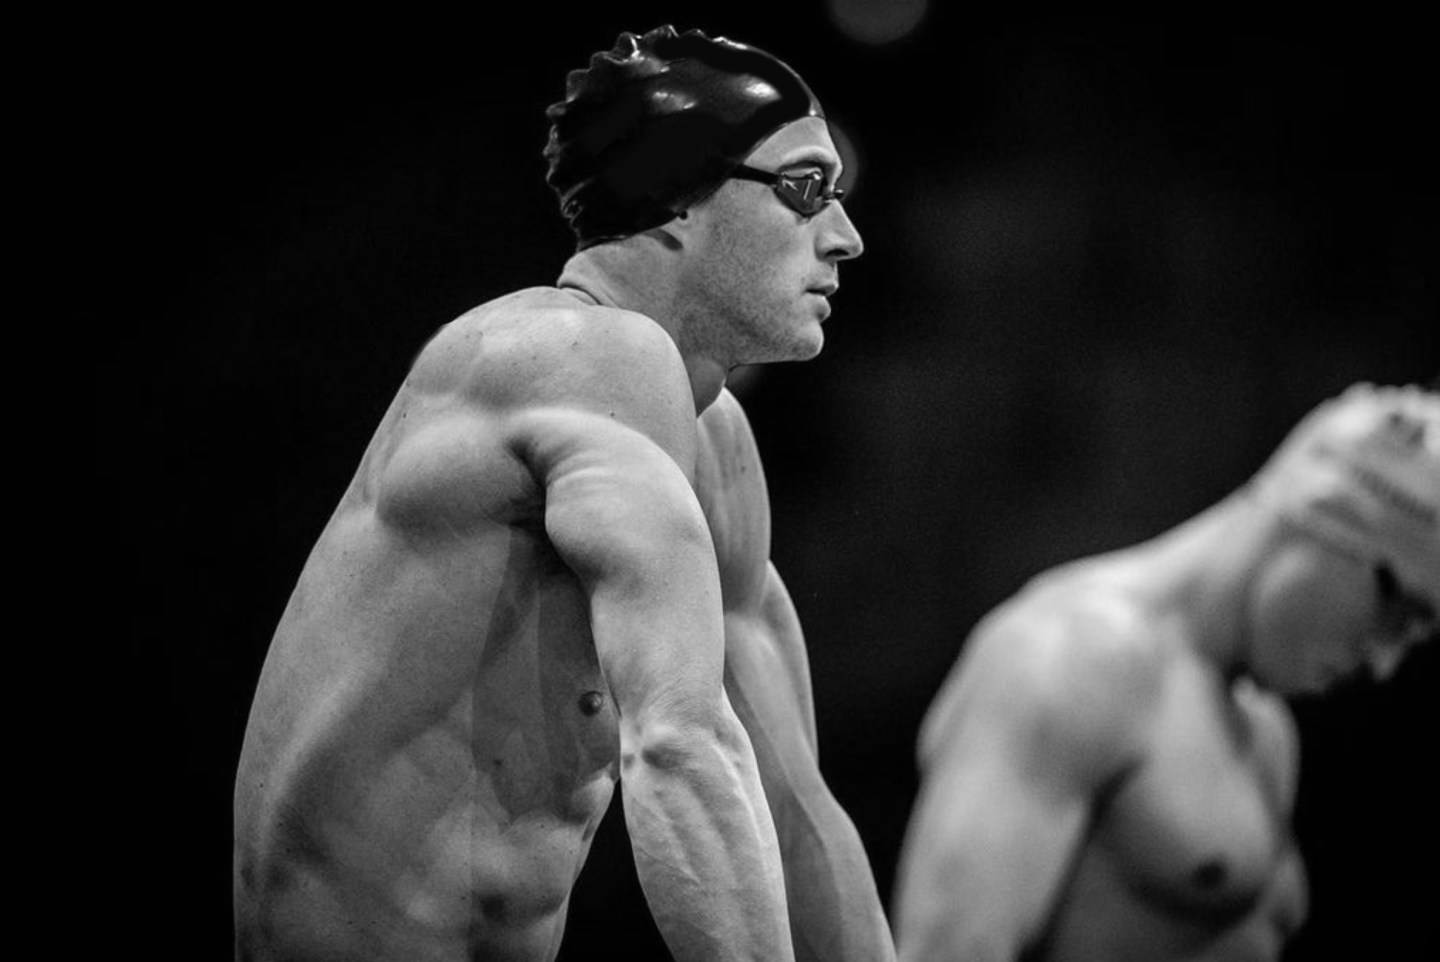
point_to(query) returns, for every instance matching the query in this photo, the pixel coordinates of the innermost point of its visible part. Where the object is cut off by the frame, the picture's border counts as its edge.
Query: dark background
(1110, 263)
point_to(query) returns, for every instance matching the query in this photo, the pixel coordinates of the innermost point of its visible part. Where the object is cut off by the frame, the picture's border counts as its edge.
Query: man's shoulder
(541, 344)
(1074, 662)
(1078, 627)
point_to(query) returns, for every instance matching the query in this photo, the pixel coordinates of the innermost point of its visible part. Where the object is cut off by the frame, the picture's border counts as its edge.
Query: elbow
(675, 745)
(664, 749)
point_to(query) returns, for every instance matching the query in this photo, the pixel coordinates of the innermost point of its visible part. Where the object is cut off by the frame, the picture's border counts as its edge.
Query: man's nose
(839, 240)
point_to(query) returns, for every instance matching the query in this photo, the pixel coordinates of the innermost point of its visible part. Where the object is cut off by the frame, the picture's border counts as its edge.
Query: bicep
(990, 841)
(620, 513)
(1021, 743)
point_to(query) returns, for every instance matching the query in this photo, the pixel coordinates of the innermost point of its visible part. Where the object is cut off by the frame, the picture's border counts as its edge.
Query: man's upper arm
(498, 407)
(609, 436)
(613, 450)
(1037, 719)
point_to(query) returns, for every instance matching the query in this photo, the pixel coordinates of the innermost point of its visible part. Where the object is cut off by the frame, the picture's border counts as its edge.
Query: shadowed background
(1110, 263)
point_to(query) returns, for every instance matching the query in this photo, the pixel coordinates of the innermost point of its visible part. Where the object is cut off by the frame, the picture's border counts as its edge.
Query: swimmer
(1110, 771)
(551, 575)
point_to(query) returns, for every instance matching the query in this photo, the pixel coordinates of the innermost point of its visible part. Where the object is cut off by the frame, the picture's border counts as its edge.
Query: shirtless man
(551, 573)
(1110, 770)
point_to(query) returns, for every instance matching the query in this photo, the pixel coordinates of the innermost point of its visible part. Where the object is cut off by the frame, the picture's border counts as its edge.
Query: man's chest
(1203, 822)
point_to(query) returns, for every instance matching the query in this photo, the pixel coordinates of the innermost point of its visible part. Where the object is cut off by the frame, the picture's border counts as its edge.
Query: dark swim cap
(658, 123)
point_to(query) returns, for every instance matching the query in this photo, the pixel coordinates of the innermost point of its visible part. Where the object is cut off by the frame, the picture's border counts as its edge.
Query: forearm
(835, 911)
(705, 845)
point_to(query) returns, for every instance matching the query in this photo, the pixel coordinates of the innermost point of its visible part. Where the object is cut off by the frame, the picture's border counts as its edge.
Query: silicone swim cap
(658, 123)
(1362, 472)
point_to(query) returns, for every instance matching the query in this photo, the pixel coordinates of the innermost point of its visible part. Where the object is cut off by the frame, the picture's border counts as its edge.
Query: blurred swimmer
(1110, 770)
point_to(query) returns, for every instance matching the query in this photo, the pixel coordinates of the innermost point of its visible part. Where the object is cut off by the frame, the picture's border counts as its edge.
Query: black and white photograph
(841, 480)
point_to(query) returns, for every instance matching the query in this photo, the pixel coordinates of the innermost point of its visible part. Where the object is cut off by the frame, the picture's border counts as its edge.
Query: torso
(1190, 854)
(432, 745)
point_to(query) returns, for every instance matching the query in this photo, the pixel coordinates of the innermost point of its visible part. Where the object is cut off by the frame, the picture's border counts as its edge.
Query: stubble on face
(757, 263)
(751, 281)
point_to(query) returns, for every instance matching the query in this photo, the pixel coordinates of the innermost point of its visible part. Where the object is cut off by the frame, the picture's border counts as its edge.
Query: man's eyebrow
(810, 157)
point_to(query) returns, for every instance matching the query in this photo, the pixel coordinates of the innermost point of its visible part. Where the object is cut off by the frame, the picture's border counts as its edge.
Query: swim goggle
(805, 193)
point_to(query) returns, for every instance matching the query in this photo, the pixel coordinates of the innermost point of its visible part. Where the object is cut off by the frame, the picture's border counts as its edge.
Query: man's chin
(803, 347)
(1313, 684)
(807, 355)
(810, 342)
(802, 340)
(1286, 684)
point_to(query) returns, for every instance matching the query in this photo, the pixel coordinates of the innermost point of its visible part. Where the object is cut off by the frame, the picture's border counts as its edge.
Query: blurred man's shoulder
(1075, 628)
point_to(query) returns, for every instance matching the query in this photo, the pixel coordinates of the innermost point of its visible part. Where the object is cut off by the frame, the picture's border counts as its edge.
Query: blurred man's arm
(1021, 741)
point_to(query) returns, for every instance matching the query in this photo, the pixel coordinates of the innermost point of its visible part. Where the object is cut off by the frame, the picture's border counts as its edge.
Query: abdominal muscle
(419, 780)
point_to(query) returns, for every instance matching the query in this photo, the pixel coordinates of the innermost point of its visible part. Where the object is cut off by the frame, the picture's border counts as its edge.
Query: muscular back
(432, 744)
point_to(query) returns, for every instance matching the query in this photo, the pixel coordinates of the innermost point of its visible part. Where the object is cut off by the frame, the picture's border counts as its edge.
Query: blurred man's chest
(1203, 822)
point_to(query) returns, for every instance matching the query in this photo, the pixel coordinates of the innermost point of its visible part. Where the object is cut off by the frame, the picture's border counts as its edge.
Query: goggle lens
(805, 193)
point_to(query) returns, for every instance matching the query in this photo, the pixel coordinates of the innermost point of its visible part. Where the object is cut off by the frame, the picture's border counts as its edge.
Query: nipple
(591, 702)
(1211, 874)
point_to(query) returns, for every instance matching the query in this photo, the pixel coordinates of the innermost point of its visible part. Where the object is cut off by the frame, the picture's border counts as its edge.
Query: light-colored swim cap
(1362, 472)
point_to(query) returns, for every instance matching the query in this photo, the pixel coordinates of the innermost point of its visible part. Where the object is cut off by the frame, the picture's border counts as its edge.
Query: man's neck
(632, 276)
(1202, 571)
